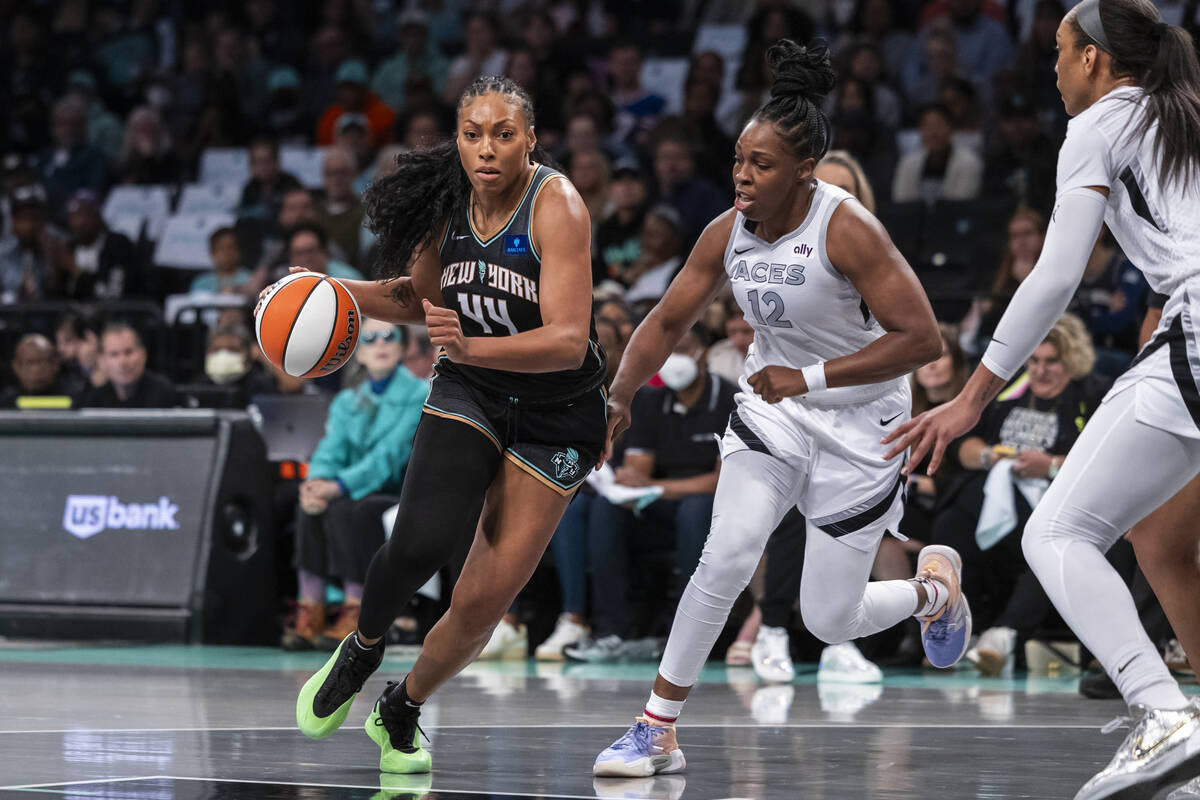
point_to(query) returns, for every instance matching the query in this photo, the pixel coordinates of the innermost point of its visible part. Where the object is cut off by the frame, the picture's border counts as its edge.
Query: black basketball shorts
(556, 442)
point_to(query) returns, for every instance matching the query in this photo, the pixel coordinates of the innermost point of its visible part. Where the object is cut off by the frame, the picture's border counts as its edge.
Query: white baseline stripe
(80, 783)
(376, 787)
(1034, 726)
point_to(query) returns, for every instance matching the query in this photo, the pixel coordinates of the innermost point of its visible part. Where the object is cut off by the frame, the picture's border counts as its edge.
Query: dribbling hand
(930, 433)
(445, 331)
(618, 423)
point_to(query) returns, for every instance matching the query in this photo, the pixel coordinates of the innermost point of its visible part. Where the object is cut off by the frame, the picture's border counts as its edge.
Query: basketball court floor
(192, 723)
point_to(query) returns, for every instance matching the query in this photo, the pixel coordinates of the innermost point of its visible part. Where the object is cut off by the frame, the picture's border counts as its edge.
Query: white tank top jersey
(1157, 226)
(801, 308)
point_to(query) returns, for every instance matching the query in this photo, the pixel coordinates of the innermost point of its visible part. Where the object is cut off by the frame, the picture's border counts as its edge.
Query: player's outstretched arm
(689, 294)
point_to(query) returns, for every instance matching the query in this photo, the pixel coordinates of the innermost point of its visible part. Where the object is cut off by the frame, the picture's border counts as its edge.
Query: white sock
(936, 595)
(663, 711)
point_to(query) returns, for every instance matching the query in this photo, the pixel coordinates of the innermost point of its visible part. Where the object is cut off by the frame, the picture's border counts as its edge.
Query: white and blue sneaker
(946, 634)
(645, 749)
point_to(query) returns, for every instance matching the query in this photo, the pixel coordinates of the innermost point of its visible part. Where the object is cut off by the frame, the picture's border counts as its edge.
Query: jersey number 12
(775, 309)
(473, 306)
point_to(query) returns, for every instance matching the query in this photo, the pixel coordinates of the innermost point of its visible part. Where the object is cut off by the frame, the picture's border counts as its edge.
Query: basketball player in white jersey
(1131, 160)
(839, 319)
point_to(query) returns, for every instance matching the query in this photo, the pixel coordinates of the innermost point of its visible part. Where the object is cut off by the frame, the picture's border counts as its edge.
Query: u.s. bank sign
(85, 515)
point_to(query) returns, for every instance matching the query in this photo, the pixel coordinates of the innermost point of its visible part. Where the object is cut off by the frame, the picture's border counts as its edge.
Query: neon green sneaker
(325, 698)
(403, 787)
(393, 726)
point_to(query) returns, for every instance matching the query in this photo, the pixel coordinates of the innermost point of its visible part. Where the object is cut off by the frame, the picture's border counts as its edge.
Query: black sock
(402, 695)
(375, 650)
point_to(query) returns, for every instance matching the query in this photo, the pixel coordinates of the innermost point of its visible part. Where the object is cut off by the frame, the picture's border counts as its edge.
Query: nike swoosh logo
(1127, 663)
(743, 250)
(467, 236)
(889, 421)
(997, 341)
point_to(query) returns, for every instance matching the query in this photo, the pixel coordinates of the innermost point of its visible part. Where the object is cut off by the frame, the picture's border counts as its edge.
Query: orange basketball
(308, 325)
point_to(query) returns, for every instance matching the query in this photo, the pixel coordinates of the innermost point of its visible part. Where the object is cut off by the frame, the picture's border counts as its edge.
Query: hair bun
(800, 71)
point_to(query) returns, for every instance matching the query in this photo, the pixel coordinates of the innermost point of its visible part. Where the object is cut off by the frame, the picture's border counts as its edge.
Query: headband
(1087, 14)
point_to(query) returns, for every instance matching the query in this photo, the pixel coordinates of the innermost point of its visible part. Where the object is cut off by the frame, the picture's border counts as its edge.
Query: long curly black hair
(801, 78)
(406, 209)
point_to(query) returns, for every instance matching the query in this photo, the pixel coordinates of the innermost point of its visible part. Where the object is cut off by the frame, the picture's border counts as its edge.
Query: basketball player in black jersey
(489, 248)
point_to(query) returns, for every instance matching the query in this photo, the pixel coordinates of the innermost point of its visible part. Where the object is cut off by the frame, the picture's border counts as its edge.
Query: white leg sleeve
(754, 491)
(837, 601)
(1118, 472)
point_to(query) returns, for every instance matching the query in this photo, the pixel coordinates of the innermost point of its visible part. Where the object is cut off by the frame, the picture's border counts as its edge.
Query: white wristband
(814, 376)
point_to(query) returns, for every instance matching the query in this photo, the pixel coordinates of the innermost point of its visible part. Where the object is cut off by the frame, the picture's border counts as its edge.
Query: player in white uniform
(839, 320)
(1131, 160)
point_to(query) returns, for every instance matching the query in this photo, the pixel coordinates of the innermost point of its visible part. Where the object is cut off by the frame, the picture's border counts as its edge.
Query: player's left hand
(445, 331)
(775, 383)
(930, 433)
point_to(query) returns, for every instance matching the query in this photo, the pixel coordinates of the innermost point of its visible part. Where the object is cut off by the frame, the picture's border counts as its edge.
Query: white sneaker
(845, 663)
(507, 642)
(772, 655)
(992, 653)
(566, 632)
(1163, 744)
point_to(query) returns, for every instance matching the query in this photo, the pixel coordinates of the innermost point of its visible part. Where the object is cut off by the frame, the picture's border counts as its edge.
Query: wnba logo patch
(566, 464)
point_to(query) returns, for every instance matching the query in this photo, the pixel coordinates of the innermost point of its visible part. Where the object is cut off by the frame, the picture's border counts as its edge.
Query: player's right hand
(263, 294)
(618, 423)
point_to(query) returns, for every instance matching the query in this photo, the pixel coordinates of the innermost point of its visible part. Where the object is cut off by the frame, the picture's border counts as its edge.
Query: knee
(830, 625)
(478, 610)
(724, 571)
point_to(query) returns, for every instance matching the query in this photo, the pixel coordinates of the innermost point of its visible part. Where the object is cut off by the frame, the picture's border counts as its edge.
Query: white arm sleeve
(1042, 298)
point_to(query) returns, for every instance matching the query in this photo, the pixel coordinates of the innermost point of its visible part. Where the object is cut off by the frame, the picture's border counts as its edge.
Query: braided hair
(801, 78)
(406, 209)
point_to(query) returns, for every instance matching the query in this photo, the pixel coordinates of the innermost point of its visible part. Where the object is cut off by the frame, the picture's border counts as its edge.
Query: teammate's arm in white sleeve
(1043, 297)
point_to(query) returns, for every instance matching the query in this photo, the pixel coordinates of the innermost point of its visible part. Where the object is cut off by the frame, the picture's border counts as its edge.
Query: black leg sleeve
(451, 468)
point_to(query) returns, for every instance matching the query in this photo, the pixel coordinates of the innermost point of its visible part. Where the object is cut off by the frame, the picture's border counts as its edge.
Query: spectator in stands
(36, 259)
(864, 62)
(695, 198)
(77, 339)
(1112, 302)
(103, 126)
(417, 55)
(1026, 234)
(587, 129)
(769, 24)
(38, 373)
(308, 247)
(353, 476)
(552, 59)
(617, 312)
(354, 97)
(874, 19)
(328, 49)
(296, 206)
(727, 358)
(341, 211)
(618, 237)
(420, 354)
(637, 108)
(983, 44)
(590, 174)
(29, 76)
(229, 362)
(928, 67)
(1022, 162)
(940, 170)
(522, 68)
(660, 258)
(351, 134)
(843, 171)
(262, 194)
(700, 98)
(241, 78)
(70, 163)
(418, 130)
(858, 133)
(130, 384)
(482, 57)
(672, 443)
(1036, 59)
(275, 35)
(1028, 429)
(146, 155)
(960, 99)
(286, 119)
(227, 276)
(105, 264)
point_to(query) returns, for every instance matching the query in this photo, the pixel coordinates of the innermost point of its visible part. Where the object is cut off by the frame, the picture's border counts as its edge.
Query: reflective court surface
(191, 723)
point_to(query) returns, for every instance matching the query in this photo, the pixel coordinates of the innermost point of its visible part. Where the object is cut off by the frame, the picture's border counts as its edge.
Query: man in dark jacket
(106, 262)
(130, 384)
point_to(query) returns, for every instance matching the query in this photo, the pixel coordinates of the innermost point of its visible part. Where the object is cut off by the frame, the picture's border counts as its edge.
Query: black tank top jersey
(494, 286)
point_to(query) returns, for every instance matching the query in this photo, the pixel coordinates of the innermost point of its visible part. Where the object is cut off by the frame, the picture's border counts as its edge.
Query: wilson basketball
(308, 325)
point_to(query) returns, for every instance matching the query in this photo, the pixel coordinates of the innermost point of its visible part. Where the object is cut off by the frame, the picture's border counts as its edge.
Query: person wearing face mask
(353, 477)
(672, 443)
(1028, 428)
(228, 362)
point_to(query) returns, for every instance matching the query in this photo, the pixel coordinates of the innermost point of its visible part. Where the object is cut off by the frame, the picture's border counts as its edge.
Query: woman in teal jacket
(354, 475)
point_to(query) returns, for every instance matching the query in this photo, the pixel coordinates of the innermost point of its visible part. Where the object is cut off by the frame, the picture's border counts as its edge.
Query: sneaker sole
(392, 761)
(307, 721)
(666, 764)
